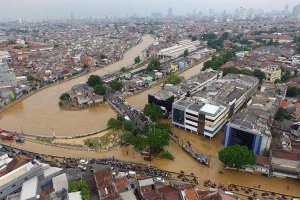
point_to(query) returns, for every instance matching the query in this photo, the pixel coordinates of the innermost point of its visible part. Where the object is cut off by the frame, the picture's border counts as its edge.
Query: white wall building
(7, 76)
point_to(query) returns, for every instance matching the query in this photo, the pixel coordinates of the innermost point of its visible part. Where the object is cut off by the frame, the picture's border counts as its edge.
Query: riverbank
(39, 114)
(58, 82)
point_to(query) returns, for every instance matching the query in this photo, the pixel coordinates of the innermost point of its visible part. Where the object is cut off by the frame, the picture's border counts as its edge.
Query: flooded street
(40, 114)
(182, 162)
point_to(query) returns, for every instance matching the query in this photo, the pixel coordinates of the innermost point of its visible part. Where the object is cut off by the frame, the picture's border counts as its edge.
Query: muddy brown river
(40, 114)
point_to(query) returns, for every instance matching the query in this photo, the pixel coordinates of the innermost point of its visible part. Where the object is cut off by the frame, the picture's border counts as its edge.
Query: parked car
(159, 179)
(20, 139)
(83, 168)
(83, 162)
(6, 136)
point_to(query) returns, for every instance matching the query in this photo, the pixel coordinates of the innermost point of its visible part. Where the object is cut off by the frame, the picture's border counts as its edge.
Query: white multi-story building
(207, 110)
(7, 76)
(25, 182)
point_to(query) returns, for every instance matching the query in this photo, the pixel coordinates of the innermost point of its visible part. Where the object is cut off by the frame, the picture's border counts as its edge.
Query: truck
(20, 139)
(6, 136)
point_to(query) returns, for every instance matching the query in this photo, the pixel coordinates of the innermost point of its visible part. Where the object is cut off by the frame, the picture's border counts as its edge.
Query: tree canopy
(153, 111)
(186, 53)
(154, 64)
(260, 75)
(31, 78)
(293, 91)
(116, 84)
(65, 96)
(100, 89)
(237, 156)
(283, 114)
(157, 139)
(137, 60)
(174, 79)
(114, 123)
(217, 61)
(94, 80)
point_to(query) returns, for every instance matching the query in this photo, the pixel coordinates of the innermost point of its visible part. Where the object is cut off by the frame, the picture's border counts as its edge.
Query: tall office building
(170, 13)
(72, 18)
(296, 11)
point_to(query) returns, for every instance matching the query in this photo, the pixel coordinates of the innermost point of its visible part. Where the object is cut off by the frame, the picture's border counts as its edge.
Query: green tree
(31, 78)
(286, 74)
(123, 69)
(94, 80)
(225, 36)
(174, 79)
(85, 66)
(236, 156)
(194, 38)
(137, 60)
(292, 91)
(84, 188)
(260, 75)
(157, 140)
(154, 64)
(282, 114)
(113, 123)
(116, 85)
(207, 65)
(153, 111)
(73, 186)
(65, 96)
(186, 53)
(99, 89)
(128, 125)
(140, 143)
(277, 81)
(209, 36)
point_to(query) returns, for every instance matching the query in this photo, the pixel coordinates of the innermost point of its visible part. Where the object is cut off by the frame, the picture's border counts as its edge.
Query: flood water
(182, 162)
(40, 114)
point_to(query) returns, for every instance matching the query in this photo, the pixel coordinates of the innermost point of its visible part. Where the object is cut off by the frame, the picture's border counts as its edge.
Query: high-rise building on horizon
(72, 16)
(156, 14)
(170, 12)
(296, 11)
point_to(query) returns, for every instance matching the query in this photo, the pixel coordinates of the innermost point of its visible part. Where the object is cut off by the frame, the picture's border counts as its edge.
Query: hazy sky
(41, 9)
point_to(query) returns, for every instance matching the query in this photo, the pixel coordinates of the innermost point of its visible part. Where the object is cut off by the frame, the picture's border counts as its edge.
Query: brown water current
(40, 114)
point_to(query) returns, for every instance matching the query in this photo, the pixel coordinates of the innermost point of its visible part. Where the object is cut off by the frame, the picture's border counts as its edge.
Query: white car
(159, 179)
(83, 168)
(83, 162)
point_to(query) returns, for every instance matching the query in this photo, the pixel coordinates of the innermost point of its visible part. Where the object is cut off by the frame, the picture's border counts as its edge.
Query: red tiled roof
(169, 193)
(121, 183)
(191, 194)
(284, 104)
(103, 177)
(209, 195)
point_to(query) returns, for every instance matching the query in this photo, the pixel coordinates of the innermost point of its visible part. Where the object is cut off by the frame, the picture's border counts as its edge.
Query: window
(178, 116)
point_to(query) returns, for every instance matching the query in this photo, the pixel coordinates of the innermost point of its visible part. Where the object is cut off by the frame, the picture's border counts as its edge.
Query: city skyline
(55, 9)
